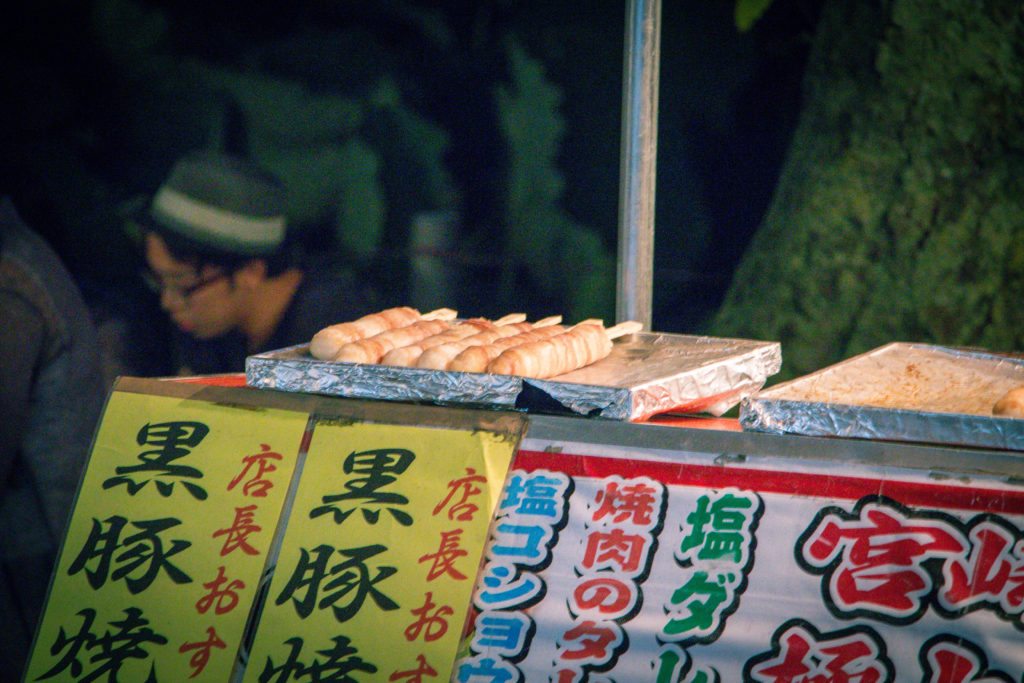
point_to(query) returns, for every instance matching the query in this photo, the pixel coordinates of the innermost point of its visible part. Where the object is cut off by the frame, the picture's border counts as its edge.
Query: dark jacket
(51, 394)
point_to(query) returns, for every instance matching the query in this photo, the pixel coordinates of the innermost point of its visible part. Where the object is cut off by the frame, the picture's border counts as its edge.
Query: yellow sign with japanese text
(169, 540)
(381, 551)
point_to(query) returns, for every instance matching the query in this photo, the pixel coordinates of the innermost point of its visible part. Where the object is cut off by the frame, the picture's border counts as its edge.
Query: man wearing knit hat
(230, 280)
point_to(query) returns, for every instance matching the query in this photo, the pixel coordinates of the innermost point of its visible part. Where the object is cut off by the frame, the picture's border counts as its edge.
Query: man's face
(201, 303)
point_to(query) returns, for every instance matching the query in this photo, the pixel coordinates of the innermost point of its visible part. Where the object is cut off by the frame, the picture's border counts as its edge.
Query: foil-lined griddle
(902, 392)
(645, 375)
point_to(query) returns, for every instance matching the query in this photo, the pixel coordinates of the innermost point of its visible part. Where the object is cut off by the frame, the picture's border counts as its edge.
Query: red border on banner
(227, 380)
(836, 487)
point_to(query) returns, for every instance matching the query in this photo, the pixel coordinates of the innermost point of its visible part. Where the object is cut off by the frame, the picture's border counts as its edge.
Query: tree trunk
(899, 214)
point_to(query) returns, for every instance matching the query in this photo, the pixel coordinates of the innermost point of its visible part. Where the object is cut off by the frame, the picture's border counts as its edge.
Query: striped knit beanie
(222, 203)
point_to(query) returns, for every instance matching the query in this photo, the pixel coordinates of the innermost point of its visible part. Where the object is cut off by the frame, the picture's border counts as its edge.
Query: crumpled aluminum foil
(645, 375)
(900, 391)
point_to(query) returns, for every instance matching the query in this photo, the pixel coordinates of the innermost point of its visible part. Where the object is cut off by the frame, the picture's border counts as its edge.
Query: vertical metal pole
(637, 165)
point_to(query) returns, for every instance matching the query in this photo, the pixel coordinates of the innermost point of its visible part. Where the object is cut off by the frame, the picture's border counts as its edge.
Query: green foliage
(898, 214)
(333, 148)
(128, 30)
(749, 11)
(415, 143)
(589, 268)
(529, 120)
(563, 259)
(339, 115)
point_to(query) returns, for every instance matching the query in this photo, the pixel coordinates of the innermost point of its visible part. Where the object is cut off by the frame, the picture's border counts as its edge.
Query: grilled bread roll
(1011, 404)
(327, 342)
(440, 357)
(577, 347)
(476, 358)
(406, 356)
(372, 349)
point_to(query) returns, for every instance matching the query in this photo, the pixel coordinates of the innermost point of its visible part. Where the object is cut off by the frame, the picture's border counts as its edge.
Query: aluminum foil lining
(645, 375)
(900, 391)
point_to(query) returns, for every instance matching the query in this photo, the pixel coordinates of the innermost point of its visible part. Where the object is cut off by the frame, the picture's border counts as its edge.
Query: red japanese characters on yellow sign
(168, 542)
(381, 552)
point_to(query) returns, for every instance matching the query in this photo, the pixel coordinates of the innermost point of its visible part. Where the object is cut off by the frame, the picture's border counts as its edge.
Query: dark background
(97, 105)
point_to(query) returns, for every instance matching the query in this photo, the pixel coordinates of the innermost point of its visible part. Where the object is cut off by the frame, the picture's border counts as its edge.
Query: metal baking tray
(645, 375)
(900, 391)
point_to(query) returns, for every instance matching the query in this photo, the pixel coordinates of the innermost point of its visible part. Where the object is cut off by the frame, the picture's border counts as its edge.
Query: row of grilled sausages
(436, 340)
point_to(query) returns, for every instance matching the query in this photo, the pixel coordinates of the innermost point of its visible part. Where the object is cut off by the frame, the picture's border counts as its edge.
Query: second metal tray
(900, 391)
(645, 375)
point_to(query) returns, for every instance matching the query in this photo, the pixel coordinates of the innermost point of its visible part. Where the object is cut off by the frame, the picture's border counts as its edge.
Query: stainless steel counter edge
(941, 460)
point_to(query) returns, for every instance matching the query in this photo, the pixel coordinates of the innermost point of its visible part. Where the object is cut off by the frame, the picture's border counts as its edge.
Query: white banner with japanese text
(666, 567)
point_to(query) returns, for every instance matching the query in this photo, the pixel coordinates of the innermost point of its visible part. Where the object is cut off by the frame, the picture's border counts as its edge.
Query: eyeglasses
(155, 283)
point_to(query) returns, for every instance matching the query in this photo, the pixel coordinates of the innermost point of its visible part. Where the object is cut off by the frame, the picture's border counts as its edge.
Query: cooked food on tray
(436, 340)
(372, 349)
(440, 357)
(406, 356)
(576, 348)
(476, 357)
(1011, 404)
(327, 342)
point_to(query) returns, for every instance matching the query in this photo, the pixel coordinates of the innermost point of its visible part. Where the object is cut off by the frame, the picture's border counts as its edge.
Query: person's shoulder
(34, 262)
(31, 271)
(23, 297)
(325, 278)
(330, 293)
